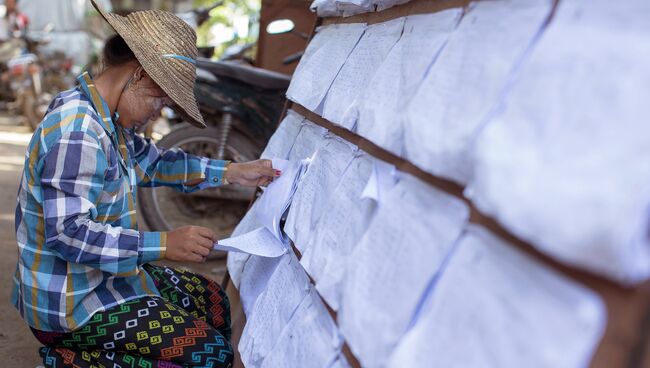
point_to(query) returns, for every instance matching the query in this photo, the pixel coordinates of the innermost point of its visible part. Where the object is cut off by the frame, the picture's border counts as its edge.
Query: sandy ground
(18, 347)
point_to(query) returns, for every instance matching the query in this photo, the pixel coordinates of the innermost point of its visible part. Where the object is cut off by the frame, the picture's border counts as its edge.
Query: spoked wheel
(220, 209)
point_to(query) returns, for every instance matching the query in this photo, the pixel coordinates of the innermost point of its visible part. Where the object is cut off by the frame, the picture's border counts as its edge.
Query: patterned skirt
(188, 327)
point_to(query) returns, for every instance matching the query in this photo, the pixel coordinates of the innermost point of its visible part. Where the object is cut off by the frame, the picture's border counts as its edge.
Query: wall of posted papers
(535, 108)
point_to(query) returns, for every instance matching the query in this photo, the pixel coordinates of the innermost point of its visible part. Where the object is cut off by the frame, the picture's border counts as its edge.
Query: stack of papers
(466, 81)
(268, 239)
(564, 164)
(405, 244)
(399, 75)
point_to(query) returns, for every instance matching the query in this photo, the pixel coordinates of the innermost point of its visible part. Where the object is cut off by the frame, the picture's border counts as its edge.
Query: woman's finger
(268, 171)
(202, 251)
(193, 257)
(204, 243)
(207, 233)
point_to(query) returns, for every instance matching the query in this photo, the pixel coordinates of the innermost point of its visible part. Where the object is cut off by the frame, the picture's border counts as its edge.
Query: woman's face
(141, 102)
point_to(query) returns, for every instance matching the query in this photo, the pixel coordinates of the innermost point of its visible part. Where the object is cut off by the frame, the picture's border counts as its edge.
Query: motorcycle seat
(248, 74)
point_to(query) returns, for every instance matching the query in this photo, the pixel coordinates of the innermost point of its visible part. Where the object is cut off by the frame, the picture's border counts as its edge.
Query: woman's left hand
(251, 174)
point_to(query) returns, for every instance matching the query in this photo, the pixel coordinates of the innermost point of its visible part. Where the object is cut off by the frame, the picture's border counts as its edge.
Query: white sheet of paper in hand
(494, 306)
(272, 311)
(407, 241)
(324, 172)
(322, 61)
(345, 217)
(278, 196)
(310, 339)
(284, 137)
(565, 164)
(259, 242)
(360, 66)
(268, 240)
(381, 105)
(467, 81)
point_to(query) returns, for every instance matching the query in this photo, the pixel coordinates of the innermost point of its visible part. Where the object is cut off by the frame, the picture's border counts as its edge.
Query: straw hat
(165, 46)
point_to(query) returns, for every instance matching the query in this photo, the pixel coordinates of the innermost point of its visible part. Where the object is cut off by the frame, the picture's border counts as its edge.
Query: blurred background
(249, 50)
(62, 38)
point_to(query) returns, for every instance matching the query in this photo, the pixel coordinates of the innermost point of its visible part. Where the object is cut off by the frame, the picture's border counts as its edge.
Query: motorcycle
(25, 84)
(30, 79)
(241, 105)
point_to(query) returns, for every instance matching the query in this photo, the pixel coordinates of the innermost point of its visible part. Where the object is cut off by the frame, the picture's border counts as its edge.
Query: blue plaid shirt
(79, 247)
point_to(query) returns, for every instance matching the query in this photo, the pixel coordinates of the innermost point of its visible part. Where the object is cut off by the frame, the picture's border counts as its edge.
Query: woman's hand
(189, 243)
(251, 174)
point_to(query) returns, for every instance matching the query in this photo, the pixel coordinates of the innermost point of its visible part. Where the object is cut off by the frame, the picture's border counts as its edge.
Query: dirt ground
(18, 347)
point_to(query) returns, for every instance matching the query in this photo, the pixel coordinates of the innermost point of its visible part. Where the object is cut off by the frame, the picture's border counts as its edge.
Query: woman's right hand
(252, 173)
(189, 243)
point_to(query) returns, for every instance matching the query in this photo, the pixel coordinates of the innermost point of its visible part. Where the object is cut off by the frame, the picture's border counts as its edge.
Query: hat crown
(165, 31)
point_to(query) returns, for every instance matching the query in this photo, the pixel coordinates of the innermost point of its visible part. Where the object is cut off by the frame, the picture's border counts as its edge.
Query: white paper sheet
(565, 164)
(310, 137)
(408, 239)
(383, 178)
(349, 8)
(360, 66)
(496, 307)
(324, 172)
(467, 81)
(381, 107)
(322, 61)
(268, 240)
(385, 4)
(345, 8)
(309, 340)
(259, 242)
(236, 261)
(325, 8)
(284, 137)
(254, 278)
(340, 362)
(345, 216)
(279, 194)
(273, 309)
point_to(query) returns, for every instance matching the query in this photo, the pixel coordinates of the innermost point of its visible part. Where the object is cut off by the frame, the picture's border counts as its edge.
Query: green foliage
(224, 18)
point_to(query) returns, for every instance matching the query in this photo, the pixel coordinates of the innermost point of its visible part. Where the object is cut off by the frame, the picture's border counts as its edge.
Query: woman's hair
(117, 52)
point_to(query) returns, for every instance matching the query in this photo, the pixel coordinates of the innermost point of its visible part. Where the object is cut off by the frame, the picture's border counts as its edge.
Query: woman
(83, 281)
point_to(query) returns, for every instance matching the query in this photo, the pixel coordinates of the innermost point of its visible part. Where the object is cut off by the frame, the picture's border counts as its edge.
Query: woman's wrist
(226, 179)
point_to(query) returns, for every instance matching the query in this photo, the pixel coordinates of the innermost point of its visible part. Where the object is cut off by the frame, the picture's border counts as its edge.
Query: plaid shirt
(79, 248)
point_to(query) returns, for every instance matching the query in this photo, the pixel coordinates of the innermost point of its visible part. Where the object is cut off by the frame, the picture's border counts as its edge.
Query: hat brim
(175, 77)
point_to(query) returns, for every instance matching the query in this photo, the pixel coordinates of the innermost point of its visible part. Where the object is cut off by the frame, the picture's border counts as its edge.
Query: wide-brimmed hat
(165, 46)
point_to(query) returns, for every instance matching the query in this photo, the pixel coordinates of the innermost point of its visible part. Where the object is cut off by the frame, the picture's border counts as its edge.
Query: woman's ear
(139, 74)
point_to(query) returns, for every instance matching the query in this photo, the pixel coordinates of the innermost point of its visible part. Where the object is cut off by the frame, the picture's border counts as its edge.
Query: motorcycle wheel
(220, 209)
